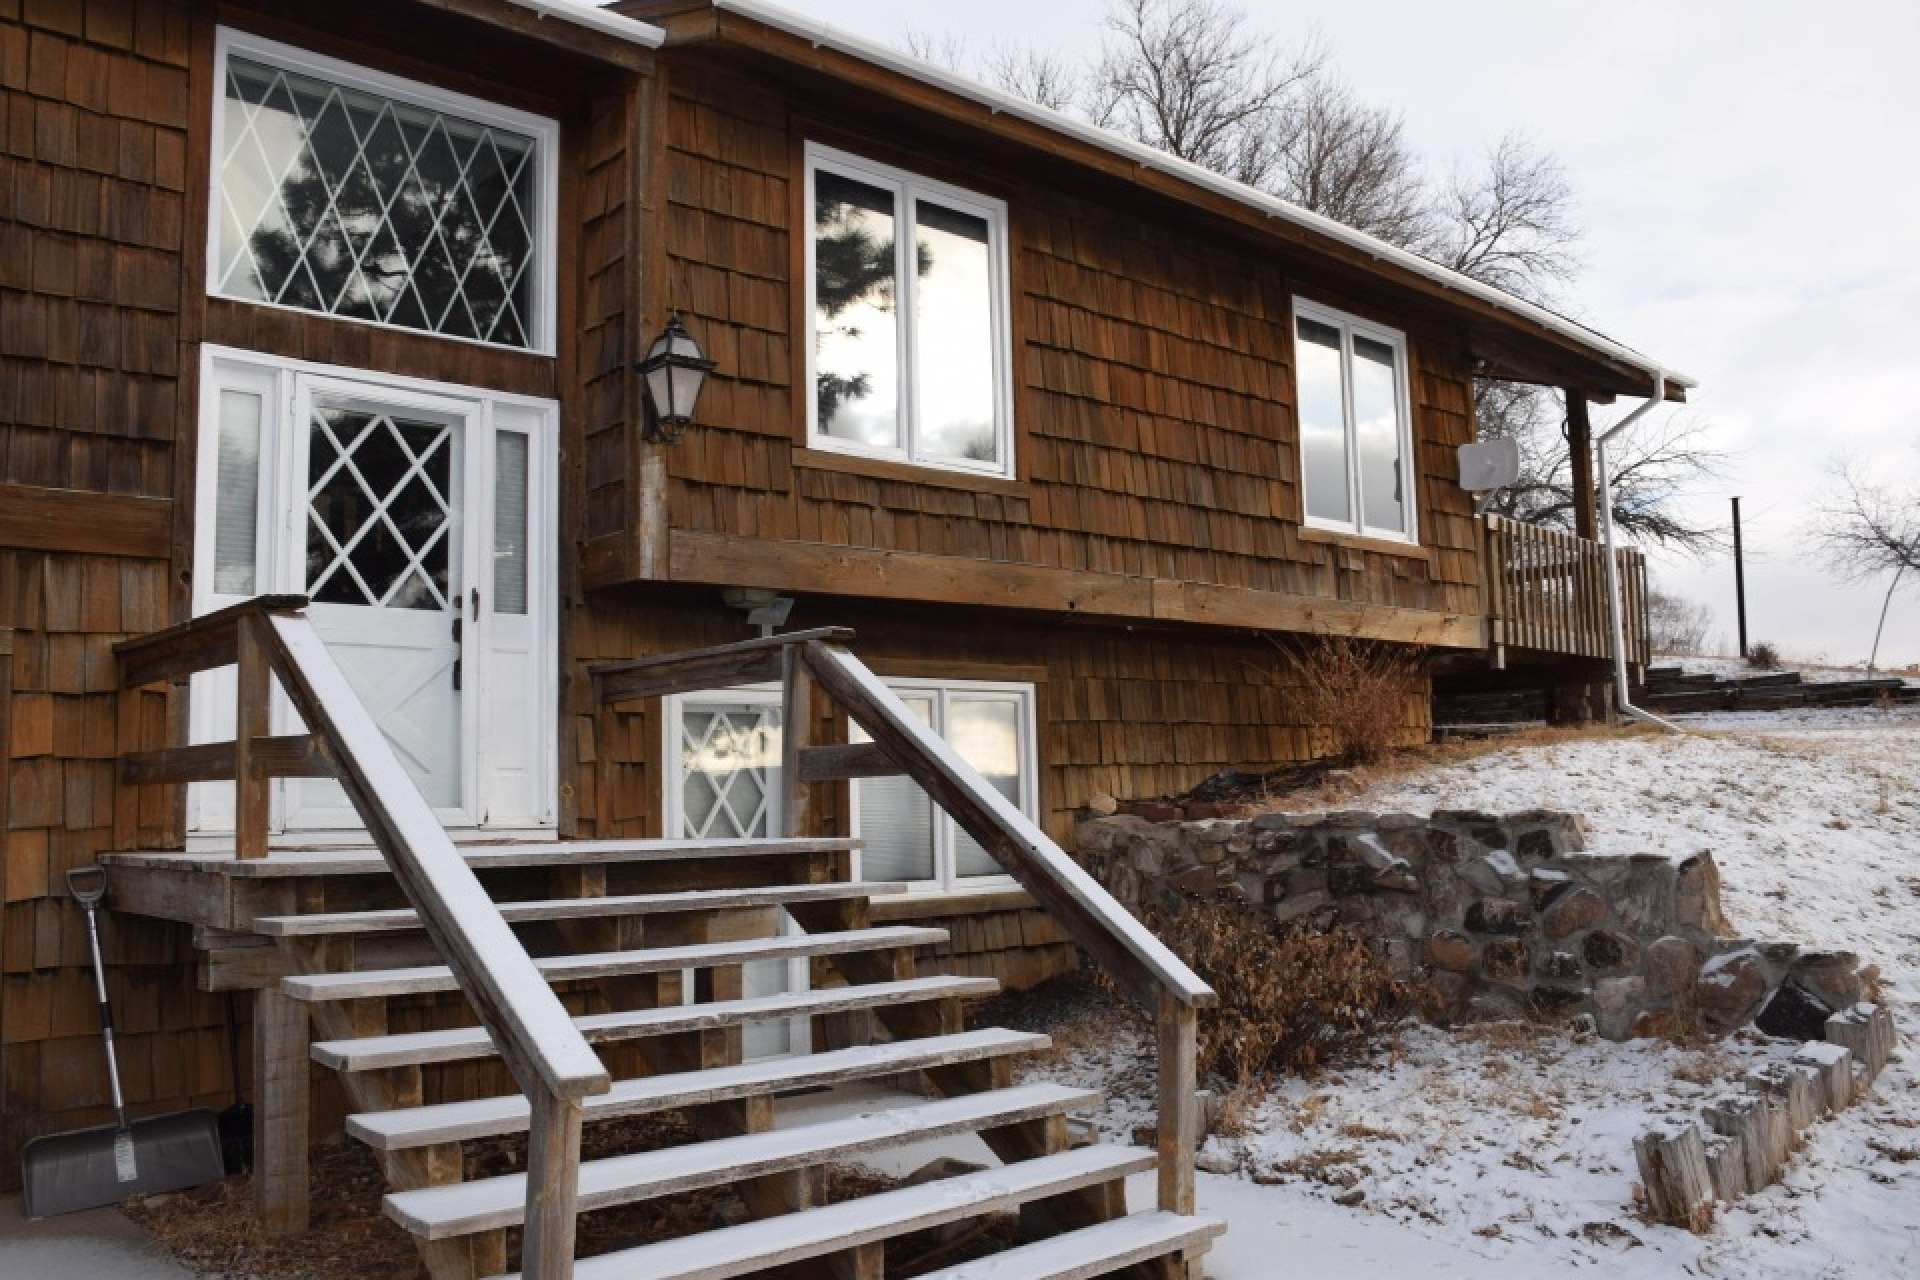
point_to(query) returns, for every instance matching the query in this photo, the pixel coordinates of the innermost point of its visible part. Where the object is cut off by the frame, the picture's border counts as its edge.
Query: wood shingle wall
(1154, 425)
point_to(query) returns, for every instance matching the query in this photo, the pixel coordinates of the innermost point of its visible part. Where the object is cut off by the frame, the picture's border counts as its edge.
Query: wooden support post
(796, 735)
(1580, 448)
(252, 787)
(1832, 1065)
(281, 1073)
(1727, 1167)
(553, 1182)
(1179, 1129)
(1673, 1169)
(1745, 1121)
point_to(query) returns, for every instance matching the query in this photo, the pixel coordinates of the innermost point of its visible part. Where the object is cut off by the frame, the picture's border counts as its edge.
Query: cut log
(1833, 1067)
(1744, 1121)
(1673, 1169)
(1727, 1168)
(1796, 1085)
(1854, 1028)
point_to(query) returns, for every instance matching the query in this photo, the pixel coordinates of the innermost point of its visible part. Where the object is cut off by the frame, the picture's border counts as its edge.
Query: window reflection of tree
(852, 266)
(391, 212)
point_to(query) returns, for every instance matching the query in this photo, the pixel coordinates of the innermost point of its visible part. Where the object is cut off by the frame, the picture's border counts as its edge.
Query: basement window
(1356, 444)
(907, 290)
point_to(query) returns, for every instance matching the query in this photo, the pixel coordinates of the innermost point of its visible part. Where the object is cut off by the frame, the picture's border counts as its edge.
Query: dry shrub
(1289, 1002)
(1763, 657)
(1355, 690)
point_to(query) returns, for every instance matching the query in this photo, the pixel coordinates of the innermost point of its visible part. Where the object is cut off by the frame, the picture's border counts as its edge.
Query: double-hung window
(907, 290)
(1356, 447)
(903, 837)
(364, 196)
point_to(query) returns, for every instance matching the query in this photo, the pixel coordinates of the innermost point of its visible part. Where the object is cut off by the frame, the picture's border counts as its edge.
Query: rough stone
(1655, 1024)
(1499, 916)
(1563, 967)
(1730, 988)
(1644, 901)
(1506, 961)
(1794, 1013)
(1103, 804)
(1616, 1002)
(1547, 885)
(1607, 952)
(1495, 872)
(1580, 909)
(1451, 951)
(1834, 976)
(1673, 964)
(1558, 1002)
(1696, 895)
(1152, 810)
(1292, 909)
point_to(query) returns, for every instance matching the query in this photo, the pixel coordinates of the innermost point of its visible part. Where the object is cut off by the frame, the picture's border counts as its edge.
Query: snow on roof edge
(826, 36)
(582, 13)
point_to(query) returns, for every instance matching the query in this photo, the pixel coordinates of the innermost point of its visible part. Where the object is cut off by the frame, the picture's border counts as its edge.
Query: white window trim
(907, 187)
(545, 132)
(1349, 326)
(279, 516)
(944, 882)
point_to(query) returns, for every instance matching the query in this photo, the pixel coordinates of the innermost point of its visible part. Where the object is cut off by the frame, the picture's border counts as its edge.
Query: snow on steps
(316, 924)
(482, 857)
(1091, 1251)
(375, 983)
(418, 1048)
(443, 1212)
(487, 1117)
(775, 1242)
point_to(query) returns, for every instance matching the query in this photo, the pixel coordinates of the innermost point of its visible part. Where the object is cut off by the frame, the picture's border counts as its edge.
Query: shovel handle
(88, 885)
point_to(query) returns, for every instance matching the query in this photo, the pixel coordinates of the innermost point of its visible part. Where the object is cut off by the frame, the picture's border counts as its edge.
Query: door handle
(459, 651)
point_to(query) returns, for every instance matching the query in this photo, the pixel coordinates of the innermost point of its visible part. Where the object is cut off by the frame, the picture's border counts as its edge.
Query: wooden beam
(724, 559)
(281, 1074)
(35, 518)
(854, 760)
(294, 756)
(211, 640)
(720, 667)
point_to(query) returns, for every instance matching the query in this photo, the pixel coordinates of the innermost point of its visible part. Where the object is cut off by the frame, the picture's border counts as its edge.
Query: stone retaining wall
(1504, 915)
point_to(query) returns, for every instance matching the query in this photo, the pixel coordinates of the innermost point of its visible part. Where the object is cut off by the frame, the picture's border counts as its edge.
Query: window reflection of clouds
(1323, 431)
(953, 310)
(1376, 429)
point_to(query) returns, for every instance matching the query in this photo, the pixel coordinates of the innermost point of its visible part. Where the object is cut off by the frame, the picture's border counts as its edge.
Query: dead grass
(1355, 691)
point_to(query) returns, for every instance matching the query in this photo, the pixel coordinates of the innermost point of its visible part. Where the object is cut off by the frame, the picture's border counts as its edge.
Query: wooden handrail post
(1179, 1128)
(253, 788)
(553, 1187)
(796, 735)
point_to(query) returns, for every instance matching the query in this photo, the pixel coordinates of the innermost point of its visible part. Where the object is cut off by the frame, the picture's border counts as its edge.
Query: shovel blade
(85, 1169)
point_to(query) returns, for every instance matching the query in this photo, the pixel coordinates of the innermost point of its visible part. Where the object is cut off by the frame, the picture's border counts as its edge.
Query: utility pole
(1739, 579)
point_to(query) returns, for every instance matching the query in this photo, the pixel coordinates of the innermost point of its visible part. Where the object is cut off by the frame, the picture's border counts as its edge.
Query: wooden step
(440, 1213)
(419, 1048)
(638, 904)
(376, 983)
(488, 1117)
(777, 1242)
(481, 857)
(1091, 1251)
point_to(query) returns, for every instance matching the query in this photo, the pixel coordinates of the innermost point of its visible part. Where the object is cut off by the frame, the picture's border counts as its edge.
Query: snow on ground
(1810, 672)
(1506, 1151)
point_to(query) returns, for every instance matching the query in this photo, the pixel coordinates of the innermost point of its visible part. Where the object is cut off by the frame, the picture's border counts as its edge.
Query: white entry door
(417, 519)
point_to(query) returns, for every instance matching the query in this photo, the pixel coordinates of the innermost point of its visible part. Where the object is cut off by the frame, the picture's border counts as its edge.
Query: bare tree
(1676, 624)
(1866, 529)
(1189, 77)
(1041, 78)
(1349, 161)
(1511, 224)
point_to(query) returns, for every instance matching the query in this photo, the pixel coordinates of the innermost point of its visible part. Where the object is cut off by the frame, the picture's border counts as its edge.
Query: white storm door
(386, 551)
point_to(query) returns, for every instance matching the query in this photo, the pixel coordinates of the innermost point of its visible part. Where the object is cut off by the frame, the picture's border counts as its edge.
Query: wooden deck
(1547, 594)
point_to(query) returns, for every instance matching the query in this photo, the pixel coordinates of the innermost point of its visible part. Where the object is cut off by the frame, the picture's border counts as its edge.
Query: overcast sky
(1749, 177)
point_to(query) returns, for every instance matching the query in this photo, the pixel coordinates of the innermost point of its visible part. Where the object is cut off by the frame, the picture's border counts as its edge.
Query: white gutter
(593, 17)
(821, 35)
(1615, 615)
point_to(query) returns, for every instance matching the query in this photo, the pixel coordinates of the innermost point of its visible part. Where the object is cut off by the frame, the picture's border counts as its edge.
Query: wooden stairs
(604, 989)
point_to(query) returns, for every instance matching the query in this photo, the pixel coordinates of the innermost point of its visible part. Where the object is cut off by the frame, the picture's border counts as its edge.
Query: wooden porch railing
(902, 744)
(549, 1058)
(1547, 592)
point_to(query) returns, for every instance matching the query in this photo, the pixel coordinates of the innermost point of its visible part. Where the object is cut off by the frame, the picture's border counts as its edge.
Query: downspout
(1615, 615)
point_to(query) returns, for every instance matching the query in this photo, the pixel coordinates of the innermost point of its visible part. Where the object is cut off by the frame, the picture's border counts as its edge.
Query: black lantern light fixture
(674, 371)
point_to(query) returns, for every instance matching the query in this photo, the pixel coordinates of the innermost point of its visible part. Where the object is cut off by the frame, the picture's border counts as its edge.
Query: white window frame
(674, 707)
(280, 532)
(541, 325)
(1350, 326)
(908, 187)
(944, 881)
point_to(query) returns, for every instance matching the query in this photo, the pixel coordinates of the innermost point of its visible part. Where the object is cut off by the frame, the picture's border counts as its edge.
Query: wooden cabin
(1021, 447)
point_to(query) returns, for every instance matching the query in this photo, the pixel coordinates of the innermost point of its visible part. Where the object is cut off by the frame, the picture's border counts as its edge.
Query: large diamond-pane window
(379, 510)
(341, 200)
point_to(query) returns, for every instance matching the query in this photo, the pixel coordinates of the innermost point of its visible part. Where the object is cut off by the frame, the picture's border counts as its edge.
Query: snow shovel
(67, 1172)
